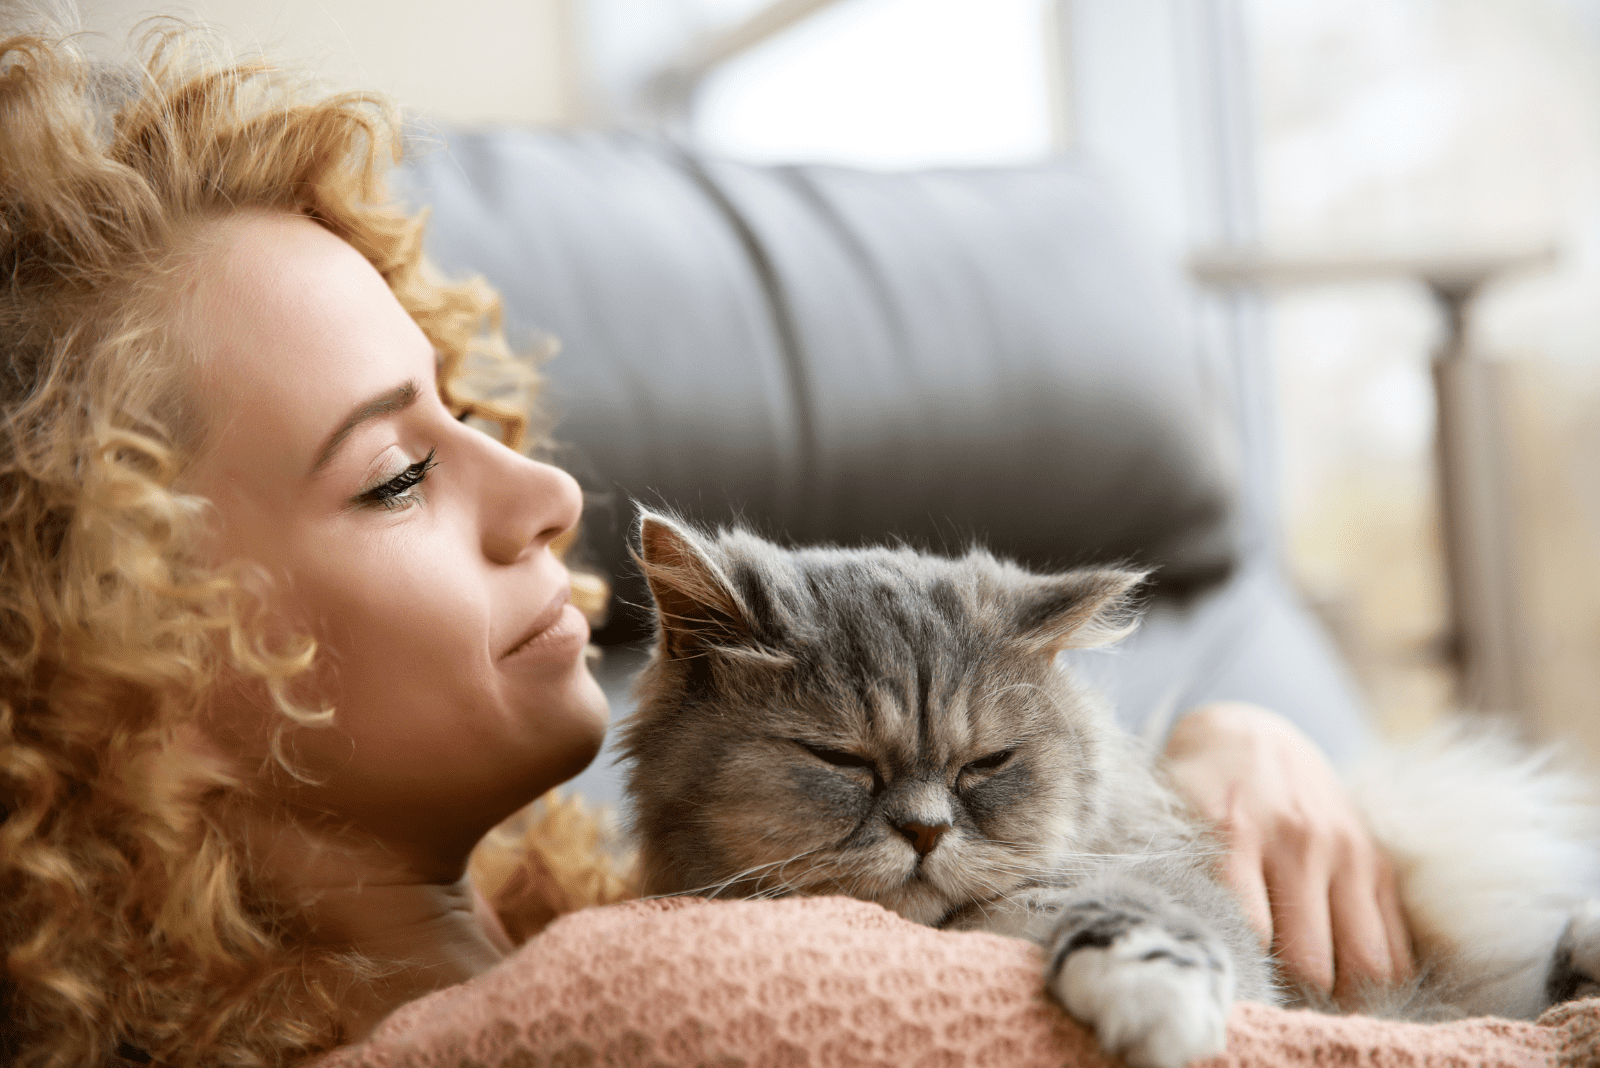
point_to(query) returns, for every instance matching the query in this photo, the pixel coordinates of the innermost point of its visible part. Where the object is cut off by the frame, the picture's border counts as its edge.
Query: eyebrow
(384, 403)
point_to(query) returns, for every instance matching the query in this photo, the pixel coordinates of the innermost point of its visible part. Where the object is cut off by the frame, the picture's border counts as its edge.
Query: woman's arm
(828, 980)
(1314, 883)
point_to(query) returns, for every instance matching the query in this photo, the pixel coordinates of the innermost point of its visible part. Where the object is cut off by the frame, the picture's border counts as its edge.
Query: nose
(922, 836)
(531, 505)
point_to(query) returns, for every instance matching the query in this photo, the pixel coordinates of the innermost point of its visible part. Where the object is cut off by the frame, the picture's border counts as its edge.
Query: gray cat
(895, 726)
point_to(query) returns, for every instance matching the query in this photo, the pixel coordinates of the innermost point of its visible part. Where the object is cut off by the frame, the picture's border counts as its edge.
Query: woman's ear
(695, 603)
(1077, 610)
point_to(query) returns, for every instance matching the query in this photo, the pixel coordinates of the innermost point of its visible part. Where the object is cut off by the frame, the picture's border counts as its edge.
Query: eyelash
(990, 762)
(389, 495)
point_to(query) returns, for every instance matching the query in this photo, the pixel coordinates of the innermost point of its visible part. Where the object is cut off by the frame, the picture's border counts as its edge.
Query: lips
(547, 618)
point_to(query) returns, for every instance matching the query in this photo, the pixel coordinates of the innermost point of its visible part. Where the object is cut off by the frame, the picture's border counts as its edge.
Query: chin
(578, 752)
(913, 896)
(595, 711)
(918, 902)
(570, 734)
(589, 715)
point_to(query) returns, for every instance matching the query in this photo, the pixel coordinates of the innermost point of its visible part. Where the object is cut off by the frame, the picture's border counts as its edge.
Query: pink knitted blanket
(836, 982)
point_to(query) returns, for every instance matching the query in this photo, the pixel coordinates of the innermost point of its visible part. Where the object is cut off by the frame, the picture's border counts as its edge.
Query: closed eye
(993, 760)
(397, 493)
(838, 757)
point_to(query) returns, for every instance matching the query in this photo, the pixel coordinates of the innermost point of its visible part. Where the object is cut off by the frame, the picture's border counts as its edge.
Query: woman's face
(414, 548)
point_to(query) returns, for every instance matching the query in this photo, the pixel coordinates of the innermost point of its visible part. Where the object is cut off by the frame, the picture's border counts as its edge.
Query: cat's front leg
(1151, 978)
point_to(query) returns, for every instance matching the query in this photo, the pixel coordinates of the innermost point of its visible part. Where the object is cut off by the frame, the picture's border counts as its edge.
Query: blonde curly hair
(131, 922)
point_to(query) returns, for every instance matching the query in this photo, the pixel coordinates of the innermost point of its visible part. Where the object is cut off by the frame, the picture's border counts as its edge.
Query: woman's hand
(1300, 858)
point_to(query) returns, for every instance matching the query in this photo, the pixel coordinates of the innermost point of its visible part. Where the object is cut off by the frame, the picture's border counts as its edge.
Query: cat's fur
(895, 726)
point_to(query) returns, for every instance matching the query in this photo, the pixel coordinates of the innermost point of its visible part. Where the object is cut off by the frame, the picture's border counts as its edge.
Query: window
(889, 83)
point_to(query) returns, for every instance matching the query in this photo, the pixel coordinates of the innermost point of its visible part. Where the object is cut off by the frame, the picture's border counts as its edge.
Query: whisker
(712, 890)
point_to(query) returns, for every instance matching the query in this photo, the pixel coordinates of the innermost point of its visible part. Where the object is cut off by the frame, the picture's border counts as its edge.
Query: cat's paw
(1575, 965)
(1156, 993)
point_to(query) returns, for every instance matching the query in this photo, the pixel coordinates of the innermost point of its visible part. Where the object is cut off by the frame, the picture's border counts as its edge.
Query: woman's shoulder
(801, 939)
(685, 981)
(689, 981)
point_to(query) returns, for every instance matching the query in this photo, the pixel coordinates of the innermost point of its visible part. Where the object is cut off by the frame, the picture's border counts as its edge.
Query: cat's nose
(922, 836)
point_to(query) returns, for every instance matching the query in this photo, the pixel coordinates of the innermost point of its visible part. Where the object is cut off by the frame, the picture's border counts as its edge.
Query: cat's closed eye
(988, 763)
(841, 758)
(838, 757)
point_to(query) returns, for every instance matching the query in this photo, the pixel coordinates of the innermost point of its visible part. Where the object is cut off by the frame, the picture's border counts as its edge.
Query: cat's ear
(695, 601)
(1079, 609)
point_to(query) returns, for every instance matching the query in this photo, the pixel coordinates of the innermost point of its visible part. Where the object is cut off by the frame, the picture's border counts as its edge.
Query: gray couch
(843, 356)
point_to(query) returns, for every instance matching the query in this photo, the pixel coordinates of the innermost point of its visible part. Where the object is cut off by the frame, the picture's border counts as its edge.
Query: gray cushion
(847, 356)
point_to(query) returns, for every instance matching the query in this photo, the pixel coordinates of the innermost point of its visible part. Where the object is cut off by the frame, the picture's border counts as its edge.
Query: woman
(284, 637)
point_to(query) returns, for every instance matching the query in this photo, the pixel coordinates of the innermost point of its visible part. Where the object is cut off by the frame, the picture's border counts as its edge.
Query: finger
(1242, 867)
(1395, 924)
(1243, 872)
(1361, 944)
(1299, 894)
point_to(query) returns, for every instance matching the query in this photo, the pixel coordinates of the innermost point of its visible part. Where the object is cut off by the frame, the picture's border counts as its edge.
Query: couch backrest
(847, 356)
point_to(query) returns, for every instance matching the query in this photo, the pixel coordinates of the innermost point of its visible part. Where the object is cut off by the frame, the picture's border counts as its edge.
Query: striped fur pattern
(895, 727)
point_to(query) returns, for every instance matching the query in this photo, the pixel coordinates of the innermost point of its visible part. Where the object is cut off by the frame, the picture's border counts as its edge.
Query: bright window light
(890, 84)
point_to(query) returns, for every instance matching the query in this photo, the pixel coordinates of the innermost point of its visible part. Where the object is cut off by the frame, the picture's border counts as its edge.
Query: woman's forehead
(291, 326)
(278, 277)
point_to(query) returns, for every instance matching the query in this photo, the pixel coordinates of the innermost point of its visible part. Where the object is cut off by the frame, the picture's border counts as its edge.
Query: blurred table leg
(1477, 512)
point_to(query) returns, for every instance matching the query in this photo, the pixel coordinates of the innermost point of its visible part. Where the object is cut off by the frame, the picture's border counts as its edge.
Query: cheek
(399, 584)
(833, 799)
(401, 613)
(402, 655)
(770, 809)
(1048, 801)
(1005, 802)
